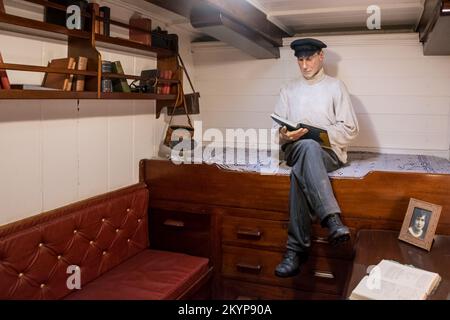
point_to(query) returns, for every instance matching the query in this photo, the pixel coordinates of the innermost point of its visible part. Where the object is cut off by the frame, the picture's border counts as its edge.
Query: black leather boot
(290, 266)
(338, 233)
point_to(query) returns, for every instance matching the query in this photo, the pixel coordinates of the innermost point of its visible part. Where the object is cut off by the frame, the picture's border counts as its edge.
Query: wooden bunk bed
(239, 220)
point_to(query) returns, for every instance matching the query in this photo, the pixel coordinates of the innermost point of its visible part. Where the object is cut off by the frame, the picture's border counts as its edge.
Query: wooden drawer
(269, 234)
(180, 231)
(318, 274)
(257, 232)
(241, 290)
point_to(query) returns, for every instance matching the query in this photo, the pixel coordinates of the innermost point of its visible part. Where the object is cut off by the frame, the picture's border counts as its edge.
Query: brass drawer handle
(244, 267)
(249, 233)
(323, 274)
(174, 223)
(320, 240)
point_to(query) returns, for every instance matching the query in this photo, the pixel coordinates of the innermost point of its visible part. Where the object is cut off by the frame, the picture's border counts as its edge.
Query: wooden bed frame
(239, 220)
(379, 200)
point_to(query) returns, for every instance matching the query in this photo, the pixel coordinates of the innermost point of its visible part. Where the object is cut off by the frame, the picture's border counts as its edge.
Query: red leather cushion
(150, 275)
(96, 234)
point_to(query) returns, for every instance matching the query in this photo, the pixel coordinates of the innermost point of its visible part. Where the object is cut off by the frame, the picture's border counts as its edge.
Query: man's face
(309, 66)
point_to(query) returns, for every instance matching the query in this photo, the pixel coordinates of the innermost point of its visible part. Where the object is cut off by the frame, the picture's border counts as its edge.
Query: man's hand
(290, 136)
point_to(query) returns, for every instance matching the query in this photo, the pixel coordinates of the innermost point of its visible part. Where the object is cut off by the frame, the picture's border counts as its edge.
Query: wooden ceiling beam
(239, 10)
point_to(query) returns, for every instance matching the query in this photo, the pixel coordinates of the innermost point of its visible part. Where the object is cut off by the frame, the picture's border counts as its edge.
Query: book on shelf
(69, 83)
(119, 85)
(314, 132)
(100, 23)
(79, 84)
(390, 280)
(105, 13)
(140, 30)
(94, 9)
(4, 80)
(59, 80)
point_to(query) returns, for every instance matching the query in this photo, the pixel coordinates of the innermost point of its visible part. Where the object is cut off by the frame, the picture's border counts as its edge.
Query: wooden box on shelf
(140, 30)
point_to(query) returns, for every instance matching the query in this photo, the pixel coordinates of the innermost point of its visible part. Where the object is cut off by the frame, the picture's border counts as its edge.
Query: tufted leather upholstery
(96, 235)
(149, 275)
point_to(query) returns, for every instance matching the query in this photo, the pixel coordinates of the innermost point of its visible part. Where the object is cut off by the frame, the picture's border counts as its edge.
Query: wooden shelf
(50, 94)
(38, 28)
(47, 30)
(132, 46)
(24, 67)
(119, 76)
(81, 43)
(46, 94)
(127, 76)
(137, 96)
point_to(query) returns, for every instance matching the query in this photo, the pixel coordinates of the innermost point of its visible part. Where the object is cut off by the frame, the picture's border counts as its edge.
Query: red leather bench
(107, 238)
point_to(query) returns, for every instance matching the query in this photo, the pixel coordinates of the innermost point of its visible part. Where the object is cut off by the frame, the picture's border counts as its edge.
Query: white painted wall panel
(59, 153)
(144, 123)
(22, 50)
(20, 159)
(401, 97)
(120, 144)
(93, 148)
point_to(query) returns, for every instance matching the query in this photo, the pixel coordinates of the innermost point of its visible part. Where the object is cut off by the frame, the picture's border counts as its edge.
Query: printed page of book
(371, 289)
(408, 276)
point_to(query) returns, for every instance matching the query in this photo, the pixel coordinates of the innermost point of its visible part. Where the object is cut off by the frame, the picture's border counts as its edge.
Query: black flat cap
(307, 47)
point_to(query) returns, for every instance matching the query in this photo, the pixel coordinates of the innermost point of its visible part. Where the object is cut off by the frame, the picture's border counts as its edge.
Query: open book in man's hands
(390, 280)
(316, 133)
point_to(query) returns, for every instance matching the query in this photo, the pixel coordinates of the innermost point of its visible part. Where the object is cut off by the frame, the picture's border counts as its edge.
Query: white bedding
(359, 164)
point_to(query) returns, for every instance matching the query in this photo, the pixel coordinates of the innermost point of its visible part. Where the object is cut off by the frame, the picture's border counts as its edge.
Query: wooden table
(372, 246)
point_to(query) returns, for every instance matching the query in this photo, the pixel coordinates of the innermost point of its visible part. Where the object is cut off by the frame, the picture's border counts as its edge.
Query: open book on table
(390, 280)
(316, 133)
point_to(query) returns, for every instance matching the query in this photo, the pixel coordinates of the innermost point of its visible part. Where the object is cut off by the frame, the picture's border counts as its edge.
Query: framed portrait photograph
(420, 223)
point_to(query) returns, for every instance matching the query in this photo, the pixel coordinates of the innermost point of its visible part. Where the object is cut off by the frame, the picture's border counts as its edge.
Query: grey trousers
(311, 195)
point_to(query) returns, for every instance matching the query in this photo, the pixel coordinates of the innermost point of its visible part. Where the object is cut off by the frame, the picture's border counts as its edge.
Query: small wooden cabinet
(179, 231)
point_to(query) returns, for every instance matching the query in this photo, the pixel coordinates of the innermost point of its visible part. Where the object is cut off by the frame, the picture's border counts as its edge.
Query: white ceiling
(300, 16)
(306, 16)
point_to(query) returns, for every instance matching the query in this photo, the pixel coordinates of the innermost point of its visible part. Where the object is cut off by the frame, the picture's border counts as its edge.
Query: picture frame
(420, 223)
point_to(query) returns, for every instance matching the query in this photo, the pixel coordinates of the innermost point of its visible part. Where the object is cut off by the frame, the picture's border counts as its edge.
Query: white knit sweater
(322, 101)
